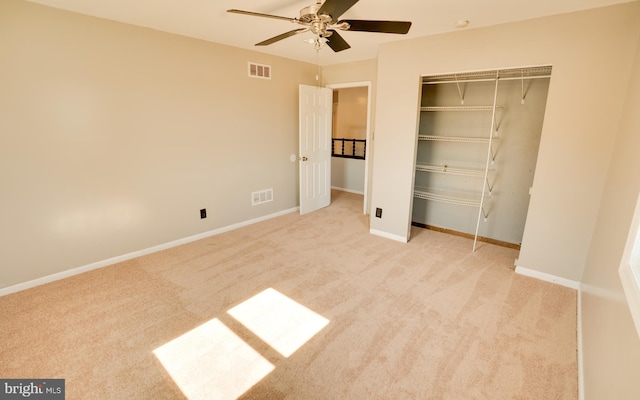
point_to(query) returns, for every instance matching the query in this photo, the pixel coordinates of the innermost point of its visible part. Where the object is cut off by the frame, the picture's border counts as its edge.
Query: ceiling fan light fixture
(322, 19)
(317, 41)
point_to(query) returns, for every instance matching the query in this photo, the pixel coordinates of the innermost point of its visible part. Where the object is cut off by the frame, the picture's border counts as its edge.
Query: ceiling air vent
(259, 71)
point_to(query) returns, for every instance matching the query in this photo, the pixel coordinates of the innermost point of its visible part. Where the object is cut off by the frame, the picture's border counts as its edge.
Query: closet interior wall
(457, 161)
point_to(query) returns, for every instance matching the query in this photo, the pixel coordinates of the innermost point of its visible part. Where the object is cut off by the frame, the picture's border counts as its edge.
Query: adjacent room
(160, 240)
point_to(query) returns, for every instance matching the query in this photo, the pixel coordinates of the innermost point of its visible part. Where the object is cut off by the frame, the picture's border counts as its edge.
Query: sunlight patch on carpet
(281, 322)
(212, 362)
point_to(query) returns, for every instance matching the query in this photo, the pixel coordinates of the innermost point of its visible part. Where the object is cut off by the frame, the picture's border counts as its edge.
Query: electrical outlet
(378, 212)
(203, 213)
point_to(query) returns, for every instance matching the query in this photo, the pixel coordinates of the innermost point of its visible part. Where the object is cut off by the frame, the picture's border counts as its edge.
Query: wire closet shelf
(491, 75)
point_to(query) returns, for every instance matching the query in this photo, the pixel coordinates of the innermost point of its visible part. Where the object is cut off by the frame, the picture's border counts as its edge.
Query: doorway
(351, 147)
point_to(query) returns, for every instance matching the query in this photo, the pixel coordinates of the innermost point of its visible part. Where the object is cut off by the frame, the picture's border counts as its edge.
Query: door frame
(368, 153)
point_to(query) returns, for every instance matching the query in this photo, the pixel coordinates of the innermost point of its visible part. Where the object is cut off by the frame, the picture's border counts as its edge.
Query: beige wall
(611, 344)
(591, 53)
(350, 113)
(113, 137)
(357, 71)
(347, 174)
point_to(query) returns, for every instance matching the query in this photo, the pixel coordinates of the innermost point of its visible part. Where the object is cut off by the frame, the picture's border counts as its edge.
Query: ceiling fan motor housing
(318, 23)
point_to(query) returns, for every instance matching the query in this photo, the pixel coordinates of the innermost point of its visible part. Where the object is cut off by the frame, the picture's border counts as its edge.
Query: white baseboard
(347, 190)
(579, 344)
(110, 261)
(387, 235)
(548, 277)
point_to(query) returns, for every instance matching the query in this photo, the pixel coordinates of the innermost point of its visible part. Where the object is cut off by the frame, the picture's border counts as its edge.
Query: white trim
(630, 265)
(631, 292)
(548, 277)
(347, 190)
(579, 345)
(387, 235)
(348, 85)
(110, 261)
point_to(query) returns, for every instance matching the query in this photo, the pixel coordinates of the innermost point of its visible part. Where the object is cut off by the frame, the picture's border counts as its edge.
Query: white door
(315, 148)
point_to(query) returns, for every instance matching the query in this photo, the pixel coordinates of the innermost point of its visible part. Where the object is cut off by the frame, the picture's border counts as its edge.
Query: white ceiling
(208, 20)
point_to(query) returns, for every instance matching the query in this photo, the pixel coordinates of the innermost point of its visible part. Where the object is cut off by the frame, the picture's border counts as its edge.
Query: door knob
(303, 158)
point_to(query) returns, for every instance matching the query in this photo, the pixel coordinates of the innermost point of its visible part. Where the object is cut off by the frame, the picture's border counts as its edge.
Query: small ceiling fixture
(462, 23)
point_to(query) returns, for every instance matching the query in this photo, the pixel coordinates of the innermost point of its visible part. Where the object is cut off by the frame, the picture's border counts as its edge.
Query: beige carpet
(423, 320)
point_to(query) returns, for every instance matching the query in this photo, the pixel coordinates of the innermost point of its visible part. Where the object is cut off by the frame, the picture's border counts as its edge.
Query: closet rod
(511, 78)
(518, 78)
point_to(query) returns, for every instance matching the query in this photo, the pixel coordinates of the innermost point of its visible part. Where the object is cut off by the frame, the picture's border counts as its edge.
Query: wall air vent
(262, 196)
(259, 71)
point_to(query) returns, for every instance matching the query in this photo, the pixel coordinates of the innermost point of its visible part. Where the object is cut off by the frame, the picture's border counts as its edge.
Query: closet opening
(476, 152)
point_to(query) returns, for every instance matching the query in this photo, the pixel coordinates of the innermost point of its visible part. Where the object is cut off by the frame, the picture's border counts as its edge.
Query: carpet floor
(427, 319)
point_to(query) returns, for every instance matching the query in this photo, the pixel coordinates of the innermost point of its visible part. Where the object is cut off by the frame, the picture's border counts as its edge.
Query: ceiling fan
(321, 19)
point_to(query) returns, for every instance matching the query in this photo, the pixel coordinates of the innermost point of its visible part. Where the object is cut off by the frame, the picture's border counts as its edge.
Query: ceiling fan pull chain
(317, 62)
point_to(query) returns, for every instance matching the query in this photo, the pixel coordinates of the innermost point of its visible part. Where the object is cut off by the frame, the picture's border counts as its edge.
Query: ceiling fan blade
(401, 27)
(255, 14)
(281, 36)
(336, 8)
(336, 42)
